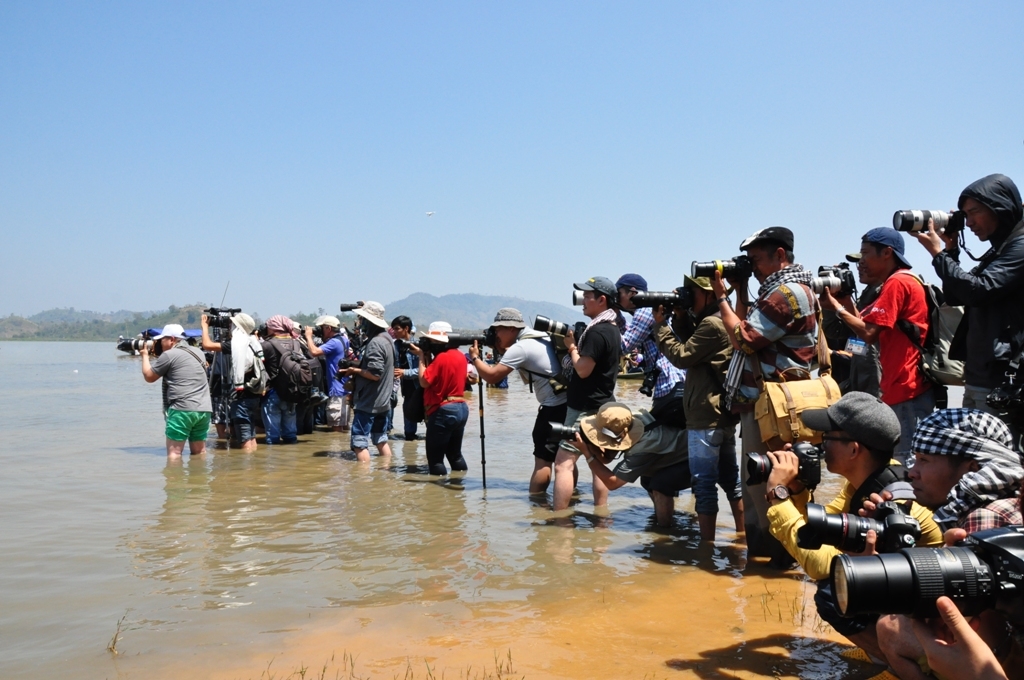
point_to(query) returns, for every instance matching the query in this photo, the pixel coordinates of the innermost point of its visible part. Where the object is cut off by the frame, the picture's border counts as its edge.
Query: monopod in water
(483, 448)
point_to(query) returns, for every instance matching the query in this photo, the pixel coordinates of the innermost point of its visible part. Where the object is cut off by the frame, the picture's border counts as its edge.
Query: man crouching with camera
(860, 435)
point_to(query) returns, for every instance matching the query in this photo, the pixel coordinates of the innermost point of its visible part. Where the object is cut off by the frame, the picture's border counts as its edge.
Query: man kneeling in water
(653, 453)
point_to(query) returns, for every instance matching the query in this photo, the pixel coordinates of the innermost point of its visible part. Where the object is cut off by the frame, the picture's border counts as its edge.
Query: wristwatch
(779, 492)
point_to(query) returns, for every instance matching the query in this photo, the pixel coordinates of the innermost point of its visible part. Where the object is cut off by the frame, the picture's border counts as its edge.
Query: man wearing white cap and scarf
(371, 400)
(186, 392)
(247, 380)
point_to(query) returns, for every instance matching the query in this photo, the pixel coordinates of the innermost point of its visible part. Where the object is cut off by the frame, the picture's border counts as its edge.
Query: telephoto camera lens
(819, 283)
(909, 581)
(917, 220)
(739, 267)
(577, 298)
(680, 297)
(546, 325)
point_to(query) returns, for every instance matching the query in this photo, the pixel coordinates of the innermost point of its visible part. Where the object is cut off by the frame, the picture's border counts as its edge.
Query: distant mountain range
(471, 311)
(464, 311)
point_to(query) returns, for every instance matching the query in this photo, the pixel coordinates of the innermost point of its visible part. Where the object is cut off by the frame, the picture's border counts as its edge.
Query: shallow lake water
(236, 565)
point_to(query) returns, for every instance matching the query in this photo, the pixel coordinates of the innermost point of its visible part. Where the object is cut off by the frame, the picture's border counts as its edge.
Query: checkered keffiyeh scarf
(978, 436)
(794, 273)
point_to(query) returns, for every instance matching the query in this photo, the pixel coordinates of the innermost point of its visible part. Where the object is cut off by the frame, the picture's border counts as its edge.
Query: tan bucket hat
(373, 312)
(613, 427)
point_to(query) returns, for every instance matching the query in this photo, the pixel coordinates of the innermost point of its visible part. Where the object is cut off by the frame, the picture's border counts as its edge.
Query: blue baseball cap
(887, 236)
(632, 281)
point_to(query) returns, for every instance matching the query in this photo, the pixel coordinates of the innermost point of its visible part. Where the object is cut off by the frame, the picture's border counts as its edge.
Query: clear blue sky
(150, 152)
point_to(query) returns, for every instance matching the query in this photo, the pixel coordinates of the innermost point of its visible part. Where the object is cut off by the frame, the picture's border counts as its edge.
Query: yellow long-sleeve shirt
(785, 519)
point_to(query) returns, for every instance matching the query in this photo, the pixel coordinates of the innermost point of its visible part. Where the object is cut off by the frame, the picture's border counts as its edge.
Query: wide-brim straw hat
(613, 427)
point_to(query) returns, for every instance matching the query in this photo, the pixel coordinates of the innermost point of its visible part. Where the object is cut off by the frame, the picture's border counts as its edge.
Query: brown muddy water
(248, 566)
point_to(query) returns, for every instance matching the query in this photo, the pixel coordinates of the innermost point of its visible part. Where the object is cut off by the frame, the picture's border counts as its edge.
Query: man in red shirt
(900, 309)
(444, 382)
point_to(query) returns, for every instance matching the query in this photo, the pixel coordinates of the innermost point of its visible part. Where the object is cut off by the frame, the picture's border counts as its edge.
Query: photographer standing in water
(595, 364)
(700, 344)
(443, 378)
(333, 350)
(532, 354)
(186, 390)
(245, 354)
(374, 383)
(775, 339)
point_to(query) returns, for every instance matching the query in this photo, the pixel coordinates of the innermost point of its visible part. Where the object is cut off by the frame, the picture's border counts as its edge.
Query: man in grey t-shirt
(371, 399)
(532, 354)
(186, 390)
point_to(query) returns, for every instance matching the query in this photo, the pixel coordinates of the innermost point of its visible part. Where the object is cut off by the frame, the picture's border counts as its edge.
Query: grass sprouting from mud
(345, 669)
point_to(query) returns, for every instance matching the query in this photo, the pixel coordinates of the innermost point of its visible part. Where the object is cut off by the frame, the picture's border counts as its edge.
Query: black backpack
(297, 373)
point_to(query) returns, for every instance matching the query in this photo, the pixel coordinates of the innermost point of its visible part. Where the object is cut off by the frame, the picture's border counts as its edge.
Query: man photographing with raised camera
(333, 350)
(992, 330)
(775, 339)
(860, 436)
(532, 354)
(898, 322)
(186, 391)
(595, 364)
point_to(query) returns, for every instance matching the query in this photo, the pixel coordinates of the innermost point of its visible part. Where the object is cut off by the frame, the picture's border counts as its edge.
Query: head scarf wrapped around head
(281, 325)
(977, 436)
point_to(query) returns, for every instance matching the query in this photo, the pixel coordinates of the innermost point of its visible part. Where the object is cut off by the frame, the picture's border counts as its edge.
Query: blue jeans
(279, 420)
(241, 415)
(713, 464)
(369, 428)
(445, 428)
(910, 413)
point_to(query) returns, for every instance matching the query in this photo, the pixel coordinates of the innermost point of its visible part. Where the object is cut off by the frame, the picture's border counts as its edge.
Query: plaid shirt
(640, 333)
(1001, 513)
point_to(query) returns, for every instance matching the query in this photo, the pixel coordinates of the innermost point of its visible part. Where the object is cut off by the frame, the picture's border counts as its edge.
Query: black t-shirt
(603, 343)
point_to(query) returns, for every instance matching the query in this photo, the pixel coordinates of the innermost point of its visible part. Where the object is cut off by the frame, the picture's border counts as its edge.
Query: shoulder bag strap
(824, 357)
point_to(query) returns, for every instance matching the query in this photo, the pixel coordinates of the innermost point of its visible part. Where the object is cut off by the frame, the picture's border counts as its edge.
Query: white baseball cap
(172, 330)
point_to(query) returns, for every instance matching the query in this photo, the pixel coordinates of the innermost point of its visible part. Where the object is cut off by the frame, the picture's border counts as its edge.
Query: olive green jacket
(705, 355)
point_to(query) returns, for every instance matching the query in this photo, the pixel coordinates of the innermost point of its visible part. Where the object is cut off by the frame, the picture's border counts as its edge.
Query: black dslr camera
(838, 279)
(485, 337)
(759, 465)
(681, 297)
(985, 571)
(130, 345)
(739, 267)
(560, 432)
(350, 306)
(894, 527)
(220, 317)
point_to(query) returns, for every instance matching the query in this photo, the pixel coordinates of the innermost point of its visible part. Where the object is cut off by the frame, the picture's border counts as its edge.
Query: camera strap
(892, 478)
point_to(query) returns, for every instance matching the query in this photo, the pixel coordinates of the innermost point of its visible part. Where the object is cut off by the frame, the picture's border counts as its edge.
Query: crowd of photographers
(915, 473)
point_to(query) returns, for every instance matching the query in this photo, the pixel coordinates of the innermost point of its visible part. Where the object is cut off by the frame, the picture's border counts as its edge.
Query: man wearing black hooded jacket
(992, 331)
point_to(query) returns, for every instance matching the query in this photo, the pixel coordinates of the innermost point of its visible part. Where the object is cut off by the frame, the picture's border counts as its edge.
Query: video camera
(894, 527)
(837, 278)
(350, 306)
(681, 297)
(220, 317)
(739, 267)
(759, 465)
(546, 325)
(917, 221)
(986, 571)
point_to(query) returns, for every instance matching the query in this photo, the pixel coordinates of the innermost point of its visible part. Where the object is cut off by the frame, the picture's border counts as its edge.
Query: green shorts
(190, 425)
